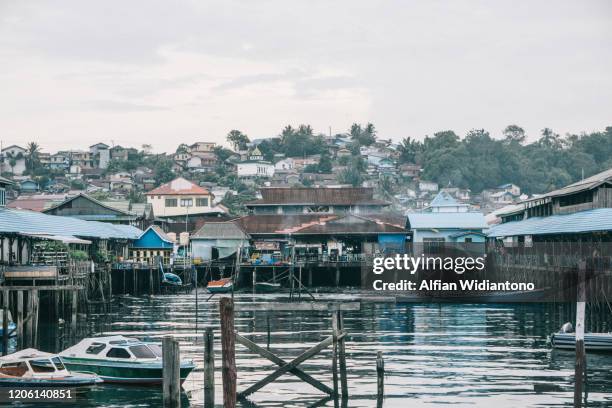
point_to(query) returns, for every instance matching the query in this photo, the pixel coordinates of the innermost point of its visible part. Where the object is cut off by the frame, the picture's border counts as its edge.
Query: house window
(202, 202)
(186, 202)
(171, 202)
(468, 239)
(2, 197)
(318, 209)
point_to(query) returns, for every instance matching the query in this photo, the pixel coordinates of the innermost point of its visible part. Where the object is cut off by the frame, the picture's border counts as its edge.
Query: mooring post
(380, 376)
(5, 321)
(20, 319)
(34, 312)
(337, 276)
(27, 340)
(228, 352)
(171, 370)
(580, 352)
(342, 355)
(209, 368)
(335, 332)
(73, 318)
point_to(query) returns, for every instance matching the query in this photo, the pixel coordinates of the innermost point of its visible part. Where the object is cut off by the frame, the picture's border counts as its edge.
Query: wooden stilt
(171, 368)
(335, 331)
(342, 355)
(380, 376)
(228, 352)
(5, 321)
(34, 312)
(209, 368)
(20, 319)
(580, 351)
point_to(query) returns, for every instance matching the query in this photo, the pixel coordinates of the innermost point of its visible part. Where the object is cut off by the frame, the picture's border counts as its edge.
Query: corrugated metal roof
(318, 196)
(584, 221)
(444, 199)
(442, 220)
(179, 186)
(220, 230)
(22, 221)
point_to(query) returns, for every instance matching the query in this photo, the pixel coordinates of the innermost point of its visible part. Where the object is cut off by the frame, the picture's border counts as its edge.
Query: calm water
(435, 354)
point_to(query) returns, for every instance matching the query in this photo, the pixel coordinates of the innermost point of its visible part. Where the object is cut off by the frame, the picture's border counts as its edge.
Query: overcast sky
(73, 73)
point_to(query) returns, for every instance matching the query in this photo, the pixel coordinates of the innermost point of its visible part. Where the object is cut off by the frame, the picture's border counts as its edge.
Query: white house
(444, 202)
(285, 164)
(428, 186)
(255, 166)
(180, 197)
(14, 155)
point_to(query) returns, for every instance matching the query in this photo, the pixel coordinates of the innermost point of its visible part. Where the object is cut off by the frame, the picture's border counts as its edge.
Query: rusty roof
(321, 224)
(317, 196)
(179, 186)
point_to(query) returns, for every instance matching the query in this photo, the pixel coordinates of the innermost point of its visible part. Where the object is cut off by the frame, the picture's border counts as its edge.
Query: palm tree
(32, 153)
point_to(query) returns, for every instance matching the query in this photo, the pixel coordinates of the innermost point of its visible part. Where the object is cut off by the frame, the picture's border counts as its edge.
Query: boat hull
(267, 287)
(72, 381)
(592, 341)
(124, 373)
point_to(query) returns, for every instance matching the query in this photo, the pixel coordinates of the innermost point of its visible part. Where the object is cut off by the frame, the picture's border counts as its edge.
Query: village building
(316, 200)
(13, 160)
(218, 240)
(88, 208)
(411, 171)
(437, 228)
(101, 155)
(180, 197)
(444, 202)
(428, 186)
(284, 164)
(202, 147)
(255, 166)
(152, 247)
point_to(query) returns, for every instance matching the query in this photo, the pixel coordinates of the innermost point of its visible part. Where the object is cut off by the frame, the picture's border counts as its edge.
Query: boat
(592, 341)
(566, 339)
(223, 285)
(267, 287)
(34, 368)
(172, 279)
(12, 327)
(120, 359)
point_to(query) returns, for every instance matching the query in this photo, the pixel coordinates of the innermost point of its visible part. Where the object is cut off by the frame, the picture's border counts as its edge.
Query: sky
(74, 73)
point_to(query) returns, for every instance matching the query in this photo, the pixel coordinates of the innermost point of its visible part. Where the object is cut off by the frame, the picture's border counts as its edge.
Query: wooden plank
(20, 319)
(280, 362)
(335, 333)
(289, 366)
(171, 371)
(298, 306)
(35, 302)
(209, 368)
(228, 352)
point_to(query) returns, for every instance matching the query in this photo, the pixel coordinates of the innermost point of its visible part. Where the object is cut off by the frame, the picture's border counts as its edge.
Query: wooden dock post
(34, 311)
(580, 351)
(341, 355)
(5, 321)
(380, 376)
(171, 368)
(27, 339)
(209, 368)
(335, 332)
(337, 276)
(228, 352)
(20, 319)
(73, 311)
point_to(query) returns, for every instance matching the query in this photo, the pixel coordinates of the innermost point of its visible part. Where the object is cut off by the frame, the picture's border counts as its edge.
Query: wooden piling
(73, 311)
(335, 332)
(342, 355)
(380, 377)
(5, 321)
(580, 351)
(34, 311)
(20, 319)
(27, 340)
(209, 368)
(171, 368)
(228, 352)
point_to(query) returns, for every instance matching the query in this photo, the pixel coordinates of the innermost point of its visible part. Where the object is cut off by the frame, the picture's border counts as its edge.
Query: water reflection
(435, 354)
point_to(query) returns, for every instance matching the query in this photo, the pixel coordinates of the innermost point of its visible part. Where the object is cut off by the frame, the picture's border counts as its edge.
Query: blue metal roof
(23, 221)
(584, 221)
(447, 220)
(443, 199)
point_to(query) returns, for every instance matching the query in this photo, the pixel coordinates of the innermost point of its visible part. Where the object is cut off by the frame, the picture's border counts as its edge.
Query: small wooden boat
(119, 359)
(592, 341)
(223, 285)
(33, 368)
(267, 287)
(172, 279)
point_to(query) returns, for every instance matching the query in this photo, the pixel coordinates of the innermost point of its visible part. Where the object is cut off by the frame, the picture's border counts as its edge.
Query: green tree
(514, 134)
(237, 139)
(32, 156)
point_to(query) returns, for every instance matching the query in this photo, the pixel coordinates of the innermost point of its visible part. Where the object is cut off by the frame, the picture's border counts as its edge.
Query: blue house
(447, 227)
(28, 186)
(151, 244)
